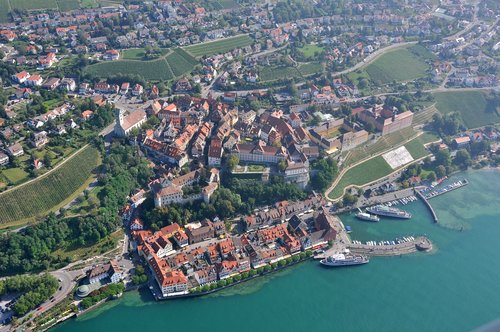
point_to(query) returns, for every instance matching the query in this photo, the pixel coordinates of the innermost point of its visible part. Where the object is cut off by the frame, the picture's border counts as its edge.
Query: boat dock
(391, 248)
(401, 246)
(429, 193)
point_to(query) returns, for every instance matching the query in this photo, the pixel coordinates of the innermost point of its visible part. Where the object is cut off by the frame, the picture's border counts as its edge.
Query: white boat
(344, 260)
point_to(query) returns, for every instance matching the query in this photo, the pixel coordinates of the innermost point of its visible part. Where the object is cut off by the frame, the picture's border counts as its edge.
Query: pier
(406, 245)
(429, 206)
(437, 192)
(420, 243)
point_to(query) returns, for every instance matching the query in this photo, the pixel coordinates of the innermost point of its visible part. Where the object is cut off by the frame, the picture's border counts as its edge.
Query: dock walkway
(420, 243)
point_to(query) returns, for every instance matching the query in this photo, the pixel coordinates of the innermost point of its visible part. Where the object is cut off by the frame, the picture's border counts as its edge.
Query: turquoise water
(454, 288)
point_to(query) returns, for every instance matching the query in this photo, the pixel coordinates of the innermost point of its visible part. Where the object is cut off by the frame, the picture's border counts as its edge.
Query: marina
(400, 246)
(431, 192)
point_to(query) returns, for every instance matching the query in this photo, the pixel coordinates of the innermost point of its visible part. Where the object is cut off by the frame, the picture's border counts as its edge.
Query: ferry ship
(344, 260)
(367, 216)
(386, 211)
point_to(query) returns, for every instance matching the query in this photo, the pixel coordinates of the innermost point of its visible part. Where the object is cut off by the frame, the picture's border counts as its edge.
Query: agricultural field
(33, 4)
(180, 62)
(47, 192)
(311, 68)
(272, 73)
(67, 5)
(309, 50)
(155, 70)
(403, 64)
(477, 108)
(219, 46)
(4, 10)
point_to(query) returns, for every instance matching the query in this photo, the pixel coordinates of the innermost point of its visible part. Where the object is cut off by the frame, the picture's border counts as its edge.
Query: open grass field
(155, 70)
(309, 50)
(476, 107)
(402, 64)
(14, 175)
(4, 10)
(33, 4)
(219, 46)
(137, 53)
(377, 167)
(41, 195)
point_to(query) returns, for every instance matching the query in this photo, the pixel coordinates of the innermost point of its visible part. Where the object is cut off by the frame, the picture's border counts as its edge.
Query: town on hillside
(183, 147)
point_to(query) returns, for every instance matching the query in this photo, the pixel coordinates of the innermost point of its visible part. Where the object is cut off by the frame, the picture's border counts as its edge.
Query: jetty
(430, 193)
(420, 243)
(429, 206)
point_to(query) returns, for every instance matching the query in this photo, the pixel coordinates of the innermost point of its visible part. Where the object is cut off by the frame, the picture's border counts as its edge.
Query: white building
(100, 272)
(125, 124)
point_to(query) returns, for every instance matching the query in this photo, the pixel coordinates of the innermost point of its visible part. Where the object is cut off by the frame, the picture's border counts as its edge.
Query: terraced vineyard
(40, 196)
(174, 64)
(150, 70)
(424, 116)
(180, 62)
(219, 46)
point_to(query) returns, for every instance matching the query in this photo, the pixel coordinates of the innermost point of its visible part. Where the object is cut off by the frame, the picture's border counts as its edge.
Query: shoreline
(277, 269)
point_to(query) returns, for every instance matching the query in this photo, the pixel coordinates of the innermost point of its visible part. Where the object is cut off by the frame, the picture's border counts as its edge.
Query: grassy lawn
(366, 172)
(41, 195)
(219, 46)
(88, 4)
(377, 167)
(402, 64)
(150, 70)
(4, 10)
(476, 110)
(15, 175)
(33, 4)
(309, 50)
(138, 53)
(256, 168)
(416, 146)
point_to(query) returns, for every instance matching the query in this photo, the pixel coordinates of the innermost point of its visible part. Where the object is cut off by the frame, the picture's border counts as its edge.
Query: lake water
(454, 288)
